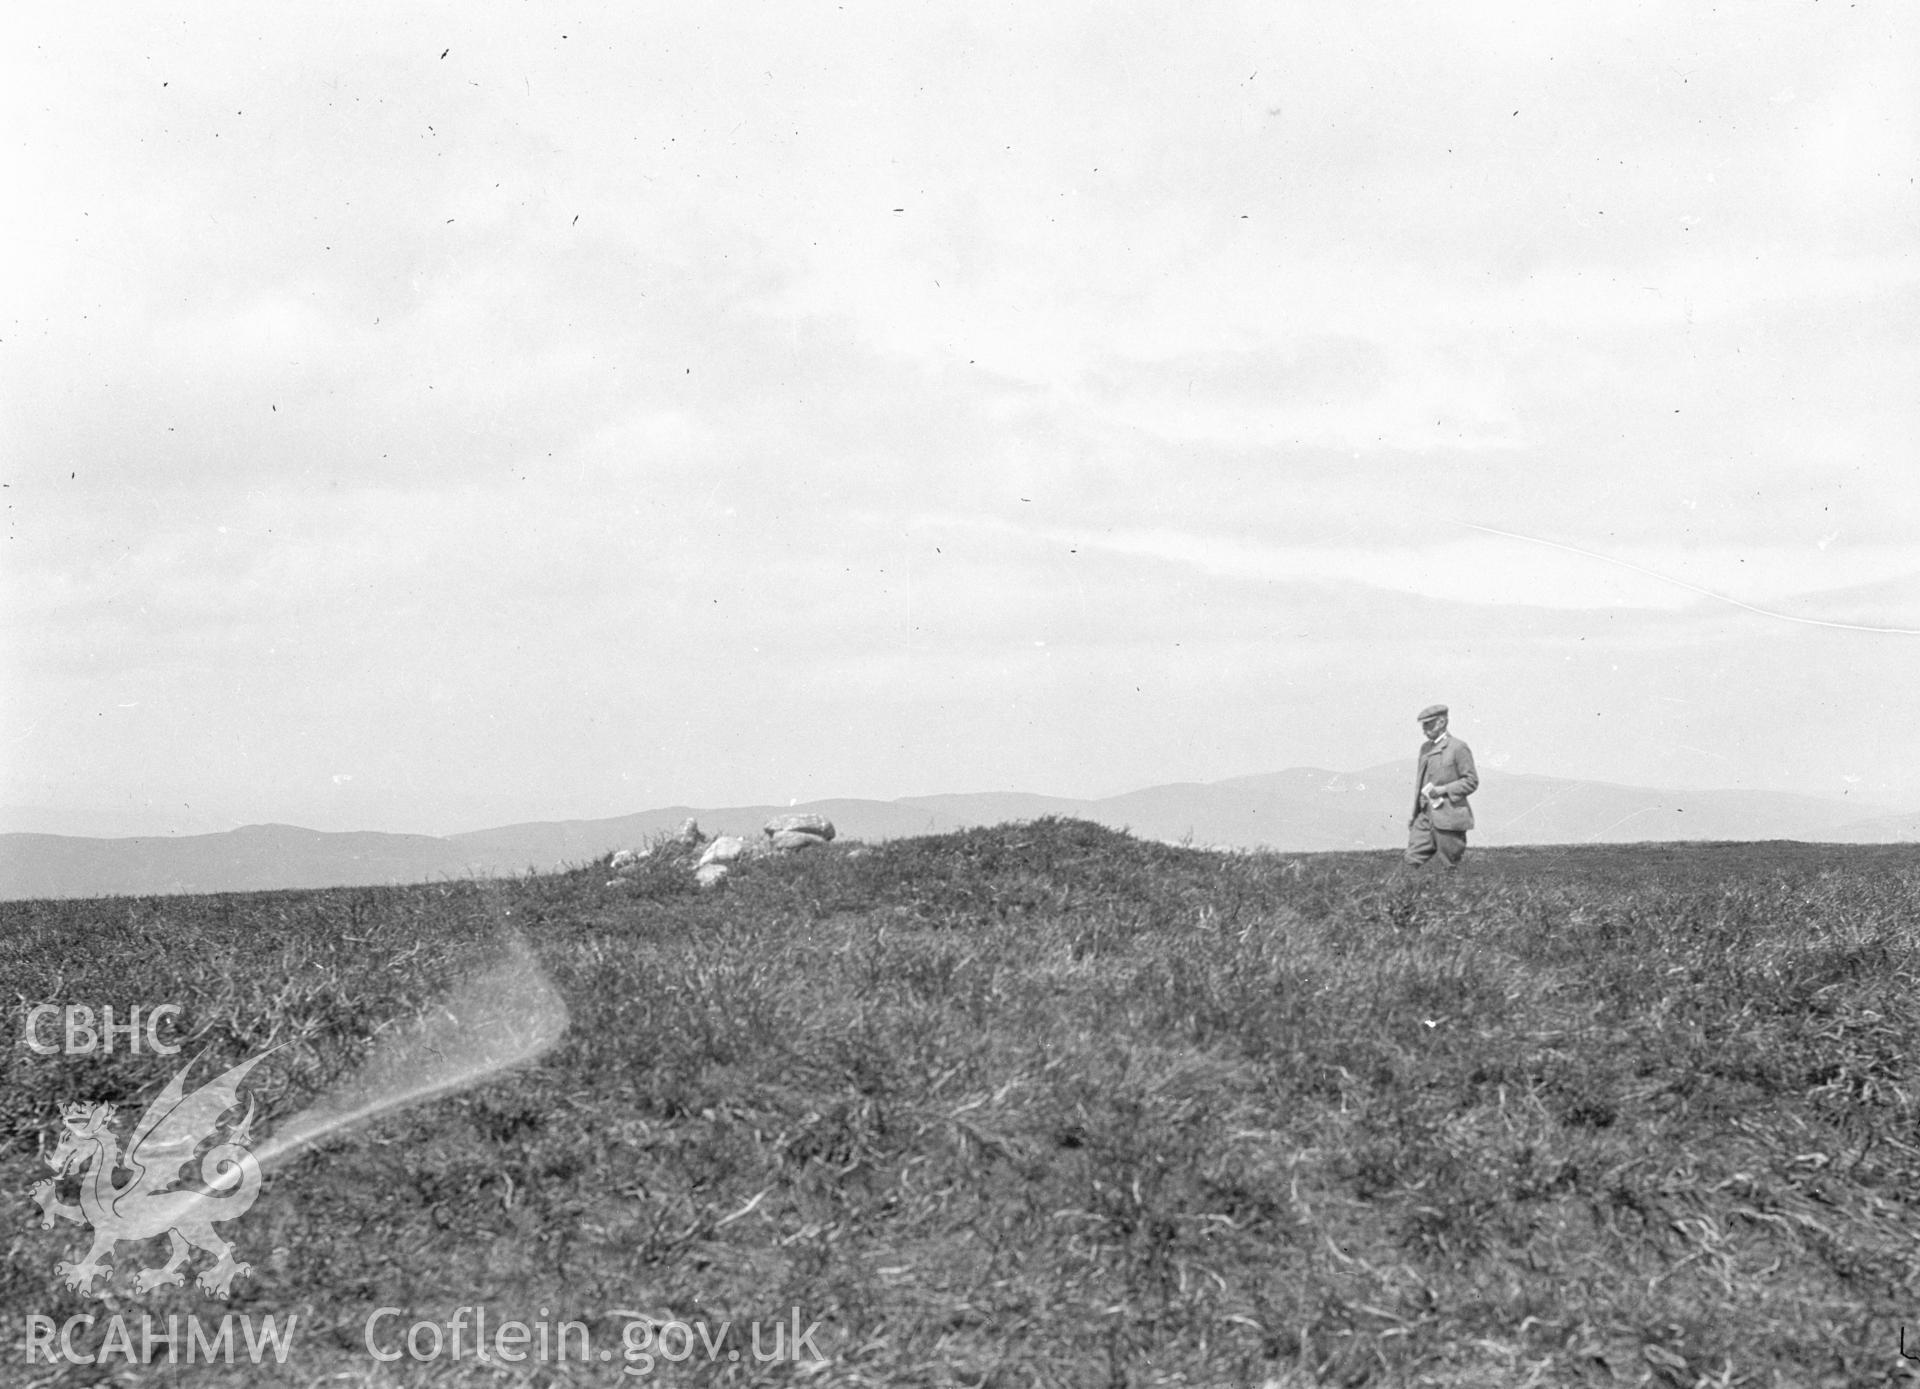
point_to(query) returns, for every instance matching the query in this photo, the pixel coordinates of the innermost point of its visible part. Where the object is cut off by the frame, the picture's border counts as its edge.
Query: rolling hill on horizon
(1300, 809)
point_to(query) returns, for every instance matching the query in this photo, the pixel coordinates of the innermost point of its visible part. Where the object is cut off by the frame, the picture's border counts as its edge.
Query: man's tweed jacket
(1450, 768)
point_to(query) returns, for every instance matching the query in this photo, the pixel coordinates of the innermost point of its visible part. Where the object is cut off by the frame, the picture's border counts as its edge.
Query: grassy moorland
(1044, 1104)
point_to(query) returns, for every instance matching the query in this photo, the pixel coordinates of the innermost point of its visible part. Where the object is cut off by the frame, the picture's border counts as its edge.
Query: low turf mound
(1044, 1103)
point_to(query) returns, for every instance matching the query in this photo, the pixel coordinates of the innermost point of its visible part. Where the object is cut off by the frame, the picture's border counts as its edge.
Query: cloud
(1462, 563)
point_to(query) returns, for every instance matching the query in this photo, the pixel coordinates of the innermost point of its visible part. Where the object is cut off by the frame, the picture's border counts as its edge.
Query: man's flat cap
(1432, 711)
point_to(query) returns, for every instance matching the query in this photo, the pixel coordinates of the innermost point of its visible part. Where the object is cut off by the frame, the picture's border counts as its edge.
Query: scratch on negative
(1682, 583)
(1607, 829)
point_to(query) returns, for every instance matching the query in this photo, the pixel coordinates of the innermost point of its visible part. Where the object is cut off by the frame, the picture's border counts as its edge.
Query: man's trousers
(1424, 841)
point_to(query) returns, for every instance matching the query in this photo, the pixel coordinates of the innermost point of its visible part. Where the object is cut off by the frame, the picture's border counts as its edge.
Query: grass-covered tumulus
(1046, 1104)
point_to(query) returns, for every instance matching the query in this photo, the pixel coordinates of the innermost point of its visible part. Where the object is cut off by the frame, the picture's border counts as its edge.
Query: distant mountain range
(1303, 809)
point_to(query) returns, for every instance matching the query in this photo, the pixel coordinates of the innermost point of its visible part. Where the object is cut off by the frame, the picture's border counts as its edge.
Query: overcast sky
(424, 418)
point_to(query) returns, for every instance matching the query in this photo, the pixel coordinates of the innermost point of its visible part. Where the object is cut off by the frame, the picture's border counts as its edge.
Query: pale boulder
(819, 826)
(725, 849)
(786, 841)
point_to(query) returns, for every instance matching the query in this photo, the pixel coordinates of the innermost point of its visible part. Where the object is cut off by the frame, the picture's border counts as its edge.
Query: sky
(432, 417)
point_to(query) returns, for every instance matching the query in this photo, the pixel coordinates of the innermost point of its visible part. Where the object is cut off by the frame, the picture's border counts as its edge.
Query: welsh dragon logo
(147, 1204)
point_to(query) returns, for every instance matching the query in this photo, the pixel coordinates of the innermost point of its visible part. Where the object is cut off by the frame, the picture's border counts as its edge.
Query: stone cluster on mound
(783, 834)
(790, 832)
(688, 836)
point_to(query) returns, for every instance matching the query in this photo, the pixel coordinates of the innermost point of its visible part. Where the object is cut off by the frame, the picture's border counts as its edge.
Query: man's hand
(1433, 794)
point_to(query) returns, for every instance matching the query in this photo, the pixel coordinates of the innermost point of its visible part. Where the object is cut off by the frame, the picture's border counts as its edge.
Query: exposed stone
(787, 841)
(626, 858)
(817, 825)
(725, 849)
(707, 874)
(689, 832)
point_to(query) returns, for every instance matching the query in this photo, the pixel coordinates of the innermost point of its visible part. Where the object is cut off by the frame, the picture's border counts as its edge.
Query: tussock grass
(1044, 1104)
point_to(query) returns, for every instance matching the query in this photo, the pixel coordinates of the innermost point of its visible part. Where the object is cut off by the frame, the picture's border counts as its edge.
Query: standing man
(1442, 783)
